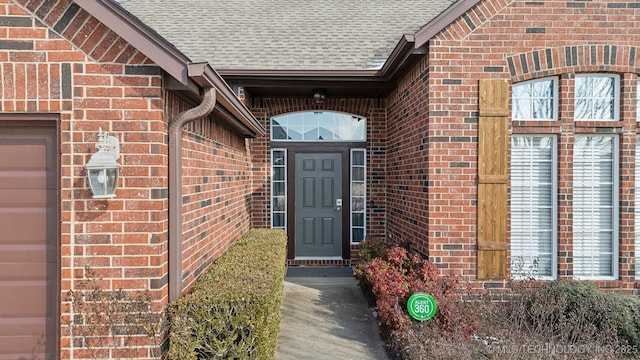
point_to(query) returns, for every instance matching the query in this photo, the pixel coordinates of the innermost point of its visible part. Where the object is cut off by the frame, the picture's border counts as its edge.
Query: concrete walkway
(325, 316)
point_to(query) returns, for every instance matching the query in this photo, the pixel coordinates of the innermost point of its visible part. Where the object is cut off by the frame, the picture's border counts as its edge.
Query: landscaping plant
(526, 319)
(115, 324)
(398, 274)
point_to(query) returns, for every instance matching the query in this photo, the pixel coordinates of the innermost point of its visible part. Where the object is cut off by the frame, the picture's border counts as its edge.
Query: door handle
(338, 204)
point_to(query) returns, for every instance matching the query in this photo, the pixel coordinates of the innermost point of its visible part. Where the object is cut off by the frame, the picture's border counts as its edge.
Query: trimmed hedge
(233, 312)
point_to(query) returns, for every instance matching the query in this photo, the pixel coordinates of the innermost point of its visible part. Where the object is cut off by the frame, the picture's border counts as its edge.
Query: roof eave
(299, 74)
(371, 82)
(169, 58)
(206, 76)
(403, 55)
(440, 22)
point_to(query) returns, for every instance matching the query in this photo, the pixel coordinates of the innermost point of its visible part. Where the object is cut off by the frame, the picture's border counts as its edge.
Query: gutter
(175, 187)
(205, 76)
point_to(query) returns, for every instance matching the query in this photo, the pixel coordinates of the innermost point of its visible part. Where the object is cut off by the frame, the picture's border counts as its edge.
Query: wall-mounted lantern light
(102, 168)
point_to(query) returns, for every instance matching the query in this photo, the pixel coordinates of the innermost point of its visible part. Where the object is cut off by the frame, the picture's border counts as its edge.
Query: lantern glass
(103, 182)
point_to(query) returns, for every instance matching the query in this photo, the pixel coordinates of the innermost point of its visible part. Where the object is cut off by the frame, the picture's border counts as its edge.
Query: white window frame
(616, 95)
(554, 211)
(272, 186)
(554, 99)
(364, 209)
(615, 212)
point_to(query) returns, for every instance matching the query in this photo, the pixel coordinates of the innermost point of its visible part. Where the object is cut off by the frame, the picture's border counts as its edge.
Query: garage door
(28, 242)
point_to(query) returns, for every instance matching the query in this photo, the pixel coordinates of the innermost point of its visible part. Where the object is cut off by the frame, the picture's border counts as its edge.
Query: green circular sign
(421, 306)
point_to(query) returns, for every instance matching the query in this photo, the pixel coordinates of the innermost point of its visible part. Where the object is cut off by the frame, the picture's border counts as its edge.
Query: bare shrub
(114, 323)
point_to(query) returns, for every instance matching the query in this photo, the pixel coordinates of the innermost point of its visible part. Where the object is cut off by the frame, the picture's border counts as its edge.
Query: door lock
(338, 204)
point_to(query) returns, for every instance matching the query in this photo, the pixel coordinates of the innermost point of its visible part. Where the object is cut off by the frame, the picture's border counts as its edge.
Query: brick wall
(216, 190)
(373, 110)
(92, 78)
(123, 240)
(515, 41)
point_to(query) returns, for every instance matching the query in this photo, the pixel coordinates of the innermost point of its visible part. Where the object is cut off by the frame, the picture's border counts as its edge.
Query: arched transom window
(318, 126)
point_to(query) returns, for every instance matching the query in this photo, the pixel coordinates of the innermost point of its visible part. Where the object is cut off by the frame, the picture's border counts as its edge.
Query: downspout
(175, 187)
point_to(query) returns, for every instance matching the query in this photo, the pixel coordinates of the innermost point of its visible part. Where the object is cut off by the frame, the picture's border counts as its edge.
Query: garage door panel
(28, 242)
(12, 180)
(23, 198)
(25, 299)
(28, 226)
(22, 271)
(25, 326)
(25, 254)
(39, 346)
(24, 148)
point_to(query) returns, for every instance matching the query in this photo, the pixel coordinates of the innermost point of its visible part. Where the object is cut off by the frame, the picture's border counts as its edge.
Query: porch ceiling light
(319, 95)
(102, 168)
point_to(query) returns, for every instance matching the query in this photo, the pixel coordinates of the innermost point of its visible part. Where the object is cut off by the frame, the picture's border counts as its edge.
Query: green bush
(233, 312)
(625, 312)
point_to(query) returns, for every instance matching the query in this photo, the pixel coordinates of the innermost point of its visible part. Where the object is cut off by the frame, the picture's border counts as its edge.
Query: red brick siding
(116, 88)
(512, 41)
(216, 190)
(407, 163)
(375, 113)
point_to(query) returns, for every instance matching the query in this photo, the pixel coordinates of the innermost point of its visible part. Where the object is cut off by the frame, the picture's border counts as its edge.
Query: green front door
(318, 204)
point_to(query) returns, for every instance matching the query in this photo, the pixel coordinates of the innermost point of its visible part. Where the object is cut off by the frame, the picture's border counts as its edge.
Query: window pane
(593, 202)
(278, 158)
(357, 189)
(318, 126)
(532, 205)
(358, 158)
(582, 109)
(357, 219)
(357, 235)
(542, 89)
(534, 100)
(542, 108)
(522, 109)
(278, 189)
(358, 174)
(595, 97)
(521, 91)
(357, 204)
(278, 204)
(294, 133)
(278, 173)
(277, 131)
(278, 220)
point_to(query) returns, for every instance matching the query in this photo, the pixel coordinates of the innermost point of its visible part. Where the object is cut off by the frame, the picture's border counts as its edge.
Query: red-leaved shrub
(393, 278)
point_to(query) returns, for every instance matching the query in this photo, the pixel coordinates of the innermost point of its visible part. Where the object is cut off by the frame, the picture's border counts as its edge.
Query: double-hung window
(595, 206)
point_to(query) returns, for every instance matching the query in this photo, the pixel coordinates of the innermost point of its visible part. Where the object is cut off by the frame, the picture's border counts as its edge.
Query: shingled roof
(286, 34)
